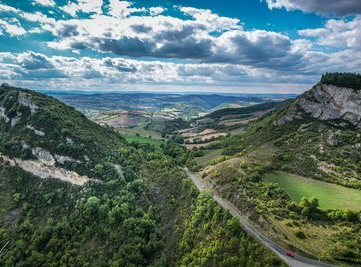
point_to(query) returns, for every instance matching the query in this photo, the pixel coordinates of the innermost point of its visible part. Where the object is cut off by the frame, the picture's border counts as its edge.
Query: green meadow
(330, 196)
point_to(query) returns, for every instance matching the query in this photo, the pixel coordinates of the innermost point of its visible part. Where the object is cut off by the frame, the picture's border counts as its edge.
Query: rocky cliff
(326, 102)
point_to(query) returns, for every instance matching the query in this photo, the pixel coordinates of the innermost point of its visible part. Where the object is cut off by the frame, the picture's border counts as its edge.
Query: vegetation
(330, 196)
(315, 216)
(302, 224)
(342, 79)
(145, 140)
(140, 209)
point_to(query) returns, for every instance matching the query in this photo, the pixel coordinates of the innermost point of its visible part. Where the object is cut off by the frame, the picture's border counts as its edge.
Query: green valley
(78, 194)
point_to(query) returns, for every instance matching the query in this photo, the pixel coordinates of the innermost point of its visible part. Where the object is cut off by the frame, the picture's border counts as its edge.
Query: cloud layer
(116, 43)
(325, 7)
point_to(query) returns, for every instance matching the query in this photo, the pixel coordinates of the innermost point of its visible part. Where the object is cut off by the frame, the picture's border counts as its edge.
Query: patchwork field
(330, 196)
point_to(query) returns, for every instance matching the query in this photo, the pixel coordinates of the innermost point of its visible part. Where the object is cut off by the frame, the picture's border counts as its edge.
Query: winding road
(296, 261)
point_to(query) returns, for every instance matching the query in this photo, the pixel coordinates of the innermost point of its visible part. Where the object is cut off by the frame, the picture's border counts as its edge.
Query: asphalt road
(296, 261)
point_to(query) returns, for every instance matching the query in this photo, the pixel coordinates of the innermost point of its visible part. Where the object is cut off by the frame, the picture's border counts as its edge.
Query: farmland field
(330, 196)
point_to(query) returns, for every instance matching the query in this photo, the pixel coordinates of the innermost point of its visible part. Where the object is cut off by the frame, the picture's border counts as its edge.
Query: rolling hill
(74, 193)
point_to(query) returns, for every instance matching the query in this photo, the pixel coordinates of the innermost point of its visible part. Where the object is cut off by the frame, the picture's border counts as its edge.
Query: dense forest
(342, 79)
(137, 209)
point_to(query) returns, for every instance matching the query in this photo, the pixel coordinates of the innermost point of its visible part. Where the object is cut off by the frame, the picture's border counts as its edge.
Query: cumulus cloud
(86, 6)
(324, 7)
(337, 33)
(155, 11)
(34, 61)
(170, 37)
(11, 29)
(45, 2)
(122, 9)
(147, 46)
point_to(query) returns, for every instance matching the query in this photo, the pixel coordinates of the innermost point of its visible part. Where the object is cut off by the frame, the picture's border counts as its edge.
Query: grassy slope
(141, 131)
(209, 155)
(330, 196)
(299, 147)
(143, 140)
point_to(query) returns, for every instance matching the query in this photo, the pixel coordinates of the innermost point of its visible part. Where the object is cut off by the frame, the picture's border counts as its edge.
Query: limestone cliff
(339, 105)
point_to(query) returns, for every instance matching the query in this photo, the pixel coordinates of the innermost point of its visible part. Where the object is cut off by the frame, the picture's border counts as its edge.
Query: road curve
(297, 261)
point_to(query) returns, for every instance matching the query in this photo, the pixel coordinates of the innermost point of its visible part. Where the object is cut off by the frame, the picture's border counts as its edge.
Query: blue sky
(249, 46)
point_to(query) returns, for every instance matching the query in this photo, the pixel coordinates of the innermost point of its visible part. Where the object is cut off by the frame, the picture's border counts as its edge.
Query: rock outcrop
(327, 103)
(27, 101)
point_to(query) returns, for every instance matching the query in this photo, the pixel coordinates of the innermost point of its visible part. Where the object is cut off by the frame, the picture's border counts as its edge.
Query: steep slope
(76, 194)
(316, 136)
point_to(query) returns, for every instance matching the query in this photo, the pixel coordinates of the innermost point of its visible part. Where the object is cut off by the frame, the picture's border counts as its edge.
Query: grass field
(140, 131)
(330, 196)
(209, 154)
(140, 139)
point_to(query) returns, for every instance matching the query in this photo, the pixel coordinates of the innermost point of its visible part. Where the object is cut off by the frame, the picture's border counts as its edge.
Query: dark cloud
(125, 46)
(44, 74)
(121, 66)
(68, 30)
(324, 7)
(34, 61)
(140, 28)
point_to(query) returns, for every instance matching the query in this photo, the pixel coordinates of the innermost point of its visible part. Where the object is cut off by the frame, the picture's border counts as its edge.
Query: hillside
(77, 194)
(267, 170)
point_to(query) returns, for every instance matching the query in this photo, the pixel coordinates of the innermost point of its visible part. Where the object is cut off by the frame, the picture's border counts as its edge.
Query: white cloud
(86, 6)
(122, 9)
(11, 29)
(155, 11)
(337, 33)
(45, 2)
(211, 20)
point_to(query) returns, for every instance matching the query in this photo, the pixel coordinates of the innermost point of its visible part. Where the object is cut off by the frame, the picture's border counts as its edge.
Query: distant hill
(74, 193)
(154, 102)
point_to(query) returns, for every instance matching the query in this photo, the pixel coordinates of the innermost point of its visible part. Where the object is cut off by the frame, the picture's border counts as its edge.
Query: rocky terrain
(326, 102)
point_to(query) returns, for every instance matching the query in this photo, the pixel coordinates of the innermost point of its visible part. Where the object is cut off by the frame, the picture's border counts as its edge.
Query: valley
(180, 133)
(252, 158)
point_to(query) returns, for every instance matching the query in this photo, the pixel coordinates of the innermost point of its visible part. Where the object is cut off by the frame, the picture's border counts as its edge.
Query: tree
(309, 207)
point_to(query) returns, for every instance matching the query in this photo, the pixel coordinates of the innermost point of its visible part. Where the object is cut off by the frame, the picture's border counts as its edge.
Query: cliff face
(327, 103)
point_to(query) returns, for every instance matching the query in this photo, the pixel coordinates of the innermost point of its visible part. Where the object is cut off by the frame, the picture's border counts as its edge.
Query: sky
(228, 46)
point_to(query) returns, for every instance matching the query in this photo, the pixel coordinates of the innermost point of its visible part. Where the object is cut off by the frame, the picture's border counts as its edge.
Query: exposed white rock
(63, 159)
(69, 140)
(25, 99)
(25, 145)
(44, 156)
(119, 169)
(327, 102)
(44, 171)
(334, 138)
(3, 115)
(16, 119)
(40, 133)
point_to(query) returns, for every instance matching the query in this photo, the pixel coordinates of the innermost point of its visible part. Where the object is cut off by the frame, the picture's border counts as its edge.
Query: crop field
(330, 196)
